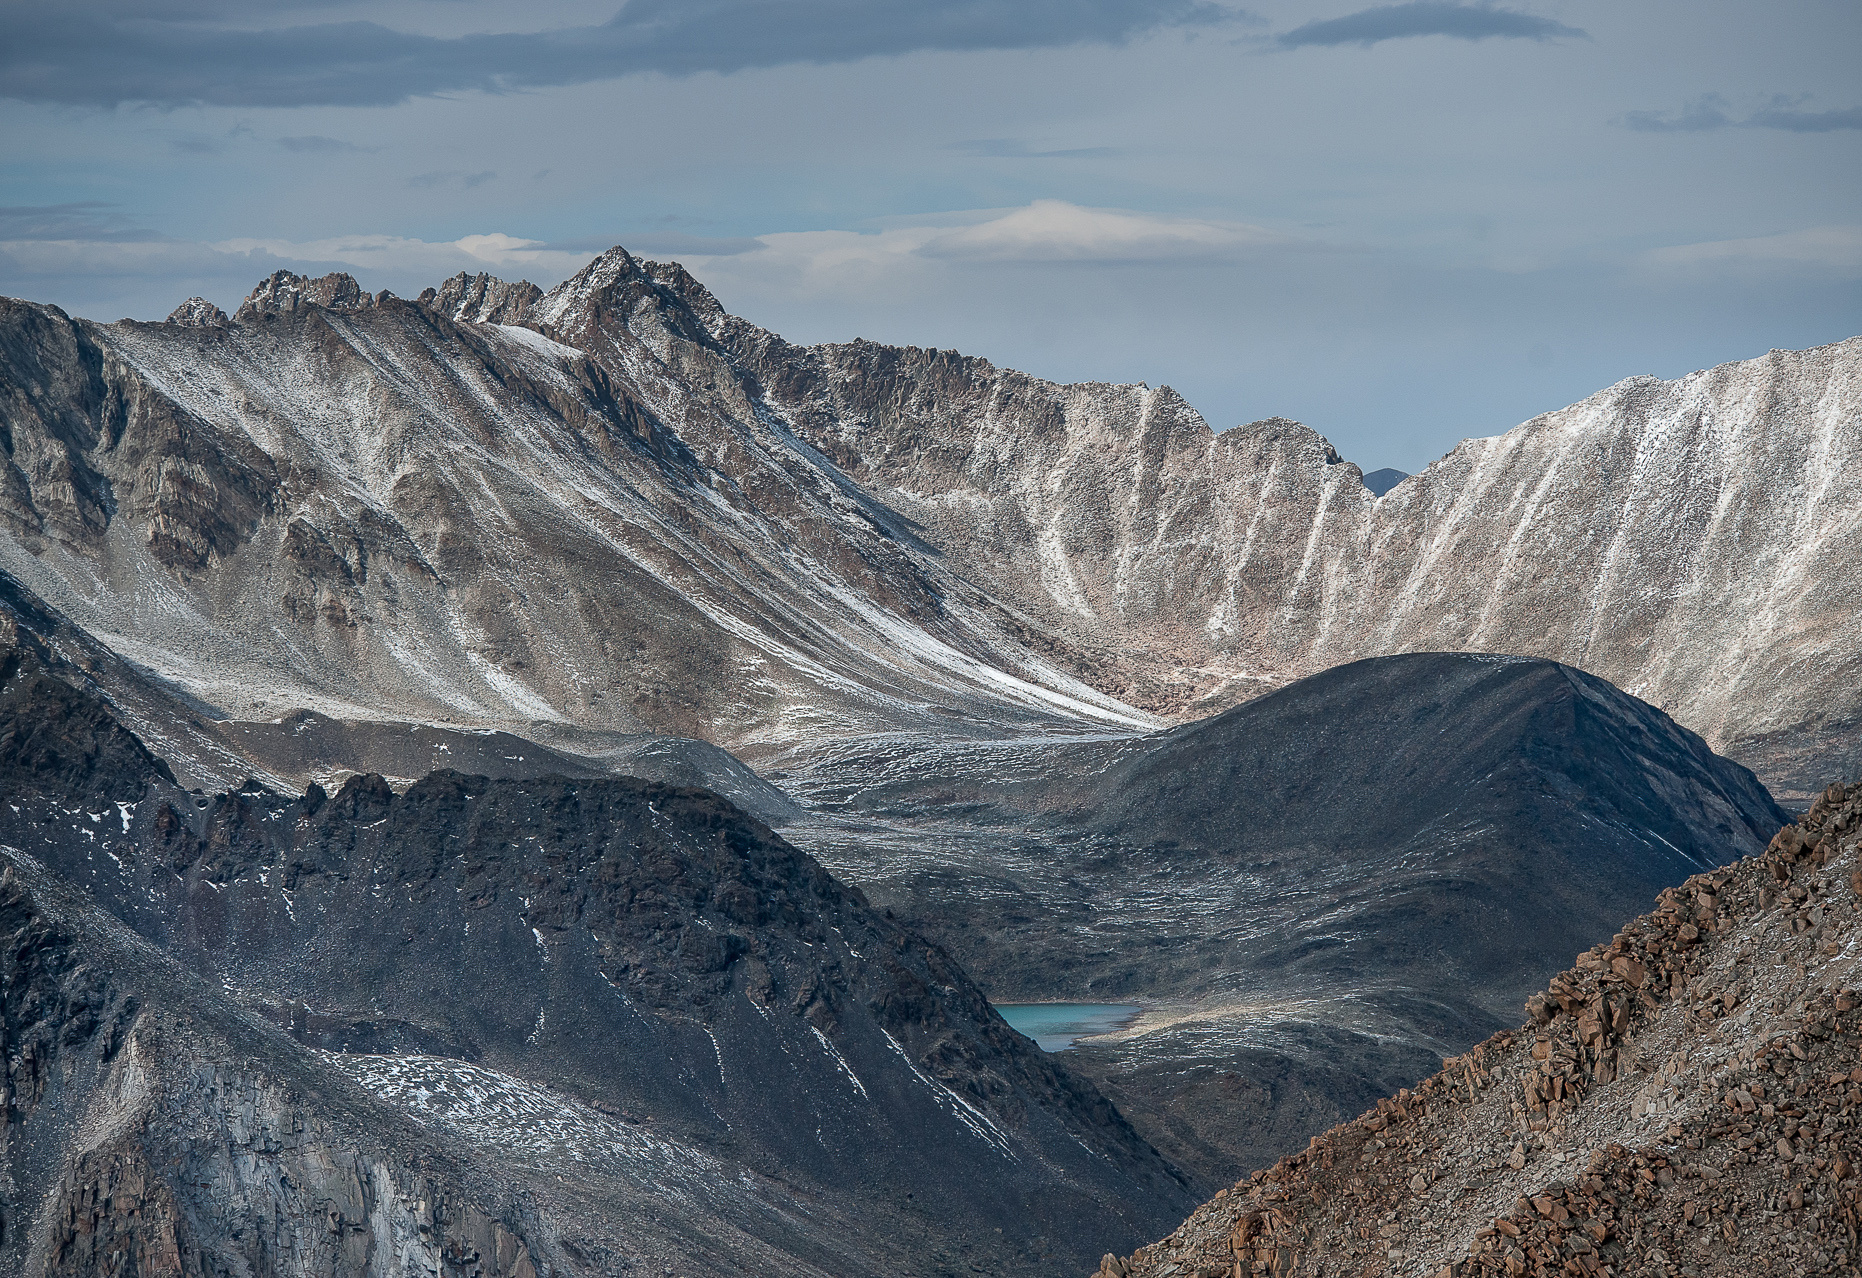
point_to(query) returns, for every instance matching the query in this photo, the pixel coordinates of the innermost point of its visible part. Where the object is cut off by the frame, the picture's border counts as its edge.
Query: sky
(1402, 224)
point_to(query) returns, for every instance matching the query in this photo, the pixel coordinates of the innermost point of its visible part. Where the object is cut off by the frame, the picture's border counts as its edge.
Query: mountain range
(517, 783)
(616, 507)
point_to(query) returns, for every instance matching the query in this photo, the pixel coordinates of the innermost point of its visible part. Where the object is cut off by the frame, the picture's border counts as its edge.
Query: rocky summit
(1682, 1102)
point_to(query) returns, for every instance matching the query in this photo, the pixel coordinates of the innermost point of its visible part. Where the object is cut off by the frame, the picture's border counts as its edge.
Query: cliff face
(149, 1129)
(617, 507)
(628, 984)
(1683, 1100)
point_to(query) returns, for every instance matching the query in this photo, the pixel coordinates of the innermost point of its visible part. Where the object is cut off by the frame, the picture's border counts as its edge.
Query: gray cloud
(86, 220)
(107, 52)
(1709, 112)
(314, 143)
(1806, 121)
(1010, 149)
(1427, 18)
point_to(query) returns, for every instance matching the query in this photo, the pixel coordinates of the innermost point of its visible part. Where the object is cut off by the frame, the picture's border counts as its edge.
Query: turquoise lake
(1056, 1026)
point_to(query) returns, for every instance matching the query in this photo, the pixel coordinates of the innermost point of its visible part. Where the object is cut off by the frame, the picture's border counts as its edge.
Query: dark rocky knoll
(629, 971)
(1684, 1100)
(1327, 888)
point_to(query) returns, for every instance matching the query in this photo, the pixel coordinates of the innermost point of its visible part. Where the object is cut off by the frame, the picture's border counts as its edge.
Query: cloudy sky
(1402, 224)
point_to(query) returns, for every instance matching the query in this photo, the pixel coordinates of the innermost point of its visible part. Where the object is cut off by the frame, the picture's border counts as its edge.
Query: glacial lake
(1057, 1026)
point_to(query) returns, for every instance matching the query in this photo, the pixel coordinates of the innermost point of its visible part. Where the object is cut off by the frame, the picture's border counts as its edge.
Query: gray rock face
(282, 293)
(482, 299)
(197, 312)
(153, 1129)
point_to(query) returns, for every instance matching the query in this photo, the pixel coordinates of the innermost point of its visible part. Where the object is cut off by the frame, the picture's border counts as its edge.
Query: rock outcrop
(197, 312)
(1683, 1101)
(628, 985)
(482, 299)
(283, 292)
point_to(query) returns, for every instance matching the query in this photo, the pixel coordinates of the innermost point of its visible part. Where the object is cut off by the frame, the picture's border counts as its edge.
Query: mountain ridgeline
(616, 507)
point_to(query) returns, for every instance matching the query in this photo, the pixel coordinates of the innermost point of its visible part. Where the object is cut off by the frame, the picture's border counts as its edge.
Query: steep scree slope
(1688, 540)
(1319, 890)
(548, 968)
(1683, 1102)
(367, 508)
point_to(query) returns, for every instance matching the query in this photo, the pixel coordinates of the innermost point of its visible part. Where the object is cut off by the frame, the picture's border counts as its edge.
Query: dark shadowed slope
(1319, 891)
(778, 1077)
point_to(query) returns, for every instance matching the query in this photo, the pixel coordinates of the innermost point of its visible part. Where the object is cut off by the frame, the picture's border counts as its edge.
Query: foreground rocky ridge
(679, 1037)
(150, 1129)
(1683, 1102)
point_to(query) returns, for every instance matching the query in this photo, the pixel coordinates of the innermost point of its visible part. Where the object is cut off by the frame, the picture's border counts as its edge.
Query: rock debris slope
(678, 1039)
(1682, 1102)
(1687, 540)
(1319, 893)
(618, 507)
(367, 508)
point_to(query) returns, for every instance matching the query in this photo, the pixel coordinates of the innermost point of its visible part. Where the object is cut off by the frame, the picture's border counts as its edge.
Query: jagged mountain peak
(481, 299)
(614, 268)
(197, 312)
(282, 292)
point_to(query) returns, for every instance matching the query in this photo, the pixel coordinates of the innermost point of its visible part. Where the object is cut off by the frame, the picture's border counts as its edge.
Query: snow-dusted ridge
(619, 507)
